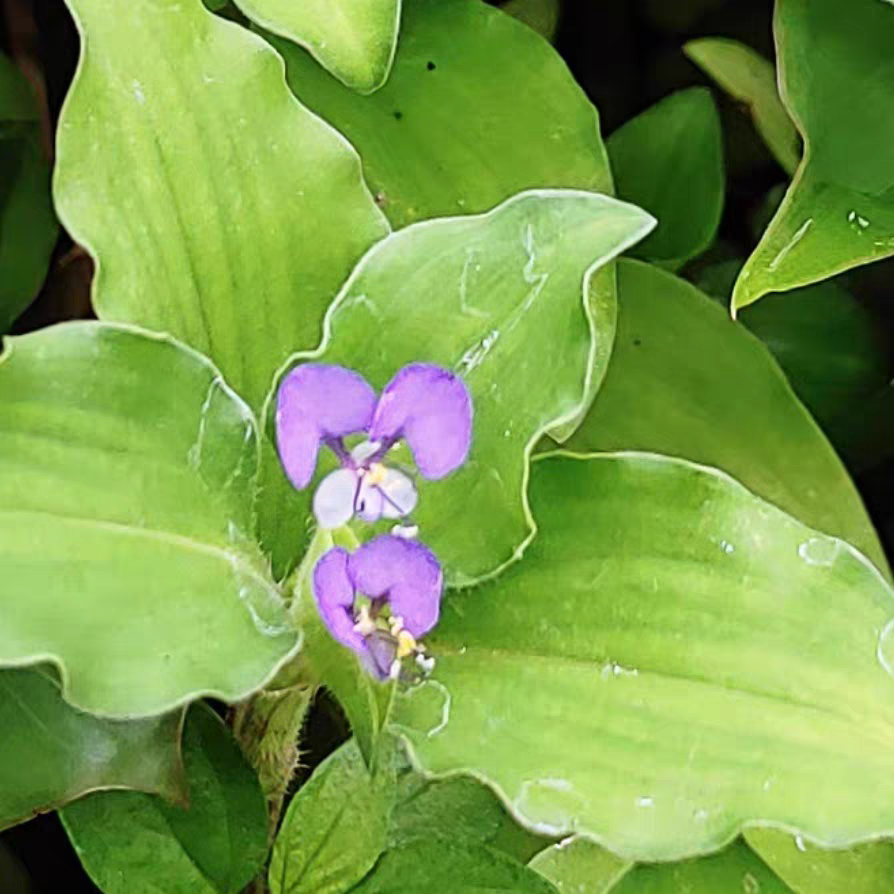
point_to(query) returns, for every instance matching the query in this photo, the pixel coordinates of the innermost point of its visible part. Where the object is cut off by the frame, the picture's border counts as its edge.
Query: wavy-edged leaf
(750, 79)
(51, 754)
(353, 39)
(426, 151)
(687, 381)
(217, 207)
(503, 300)
(580, 866)
(837, 81)
(733, 870)
(807, 869)
(335, 828)
(125, 513)
(669, 160)
(673, 659)
(137, 844)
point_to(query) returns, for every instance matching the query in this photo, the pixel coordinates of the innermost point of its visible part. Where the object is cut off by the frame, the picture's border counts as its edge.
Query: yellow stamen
(376, 474)
(406, 644)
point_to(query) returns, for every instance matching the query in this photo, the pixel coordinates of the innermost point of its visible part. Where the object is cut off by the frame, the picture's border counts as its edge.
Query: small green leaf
(460, 810)
(837, 80)
(218, 208)
(673, 659)
(735, 870)
(136, 844)
(579, 866)
(503, 300)
(51, 754)
(353, 39)
(687, 381)
(335, 828)
(867, 869)
(669, 160)
(125, 520)
(750, 79)
(455, 868)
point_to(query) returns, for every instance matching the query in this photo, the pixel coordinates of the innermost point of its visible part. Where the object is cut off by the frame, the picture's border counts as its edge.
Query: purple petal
(318, 401)
(431, 409)
(335, 599)
(406, 574)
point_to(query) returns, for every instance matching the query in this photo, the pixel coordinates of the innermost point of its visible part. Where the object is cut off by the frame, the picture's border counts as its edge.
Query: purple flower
(319, 404)
(379, 600)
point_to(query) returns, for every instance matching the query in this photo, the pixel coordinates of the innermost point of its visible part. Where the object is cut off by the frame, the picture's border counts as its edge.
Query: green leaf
(669, 160)
(837, 80)
(541, 16)
(125, 507)
(498, 288)
(735, 869)
(673, 659)
(687, 381)
(218, 208)
(136, 844)
(750, 79)
(579, 866)
(421, 121)
(353, 39)
(16, 97)
(455, 868)
(335, 828)
(28, 227)
(810, 870)
(51, 754)
(459, 810)
(827, 342)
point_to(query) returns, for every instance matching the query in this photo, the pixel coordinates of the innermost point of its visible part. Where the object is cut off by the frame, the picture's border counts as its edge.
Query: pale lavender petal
(369, 501)
(399, 494)
(403, 572)
(431, 409)
(335, 598)
(317, 401)
(334, 498)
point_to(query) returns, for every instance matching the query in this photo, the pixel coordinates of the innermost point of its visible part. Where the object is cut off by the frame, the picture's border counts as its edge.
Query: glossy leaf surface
(419, 122)
(837, 80)
(580, 866)
(136, 844)
(673, 659)
(687, 381)
(669, 160)
(750, 79)
(733, 870)
(354, 39)
(502, 299)
(867, 869)
(217, 207)
(125, 513)
(51, 754)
